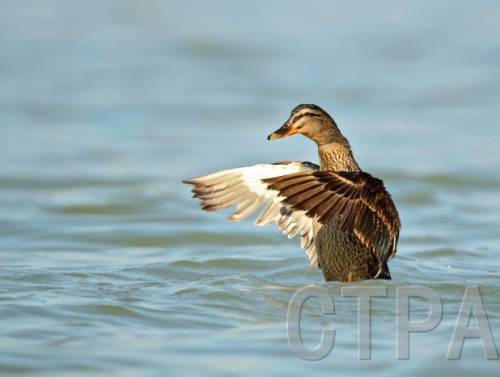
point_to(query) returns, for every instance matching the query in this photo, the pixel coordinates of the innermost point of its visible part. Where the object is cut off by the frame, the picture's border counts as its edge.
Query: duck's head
(311, 121)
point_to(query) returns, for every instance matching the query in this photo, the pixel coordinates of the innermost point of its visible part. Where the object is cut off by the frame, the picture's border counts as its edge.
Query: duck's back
(343, 257)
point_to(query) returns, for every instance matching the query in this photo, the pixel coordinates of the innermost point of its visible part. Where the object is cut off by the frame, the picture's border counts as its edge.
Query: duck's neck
(337, 157)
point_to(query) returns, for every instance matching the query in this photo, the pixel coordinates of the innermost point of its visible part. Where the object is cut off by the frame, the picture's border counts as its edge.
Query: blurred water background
(108, 267)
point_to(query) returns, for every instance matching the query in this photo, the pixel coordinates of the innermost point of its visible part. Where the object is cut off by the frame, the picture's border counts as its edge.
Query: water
(108, 267)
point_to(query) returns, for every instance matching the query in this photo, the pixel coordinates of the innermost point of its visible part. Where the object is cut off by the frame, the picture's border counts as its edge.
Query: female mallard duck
(347, 221)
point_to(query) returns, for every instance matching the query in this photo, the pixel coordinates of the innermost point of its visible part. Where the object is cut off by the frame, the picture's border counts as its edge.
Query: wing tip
(235, 218)
(209, 208)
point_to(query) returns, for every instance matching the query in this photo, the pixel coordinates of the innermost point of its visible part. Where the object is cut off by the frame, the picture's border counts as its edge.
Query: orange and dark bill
(284, 131)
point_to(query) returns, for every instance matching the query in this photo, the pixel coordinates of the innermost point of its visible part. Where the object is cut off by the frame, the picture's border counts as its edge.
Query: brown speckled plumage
(347, 221)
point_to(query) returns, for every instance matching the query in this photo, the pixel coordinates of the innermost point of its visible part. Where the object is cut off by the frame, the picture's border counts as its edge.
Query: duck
(346, 220)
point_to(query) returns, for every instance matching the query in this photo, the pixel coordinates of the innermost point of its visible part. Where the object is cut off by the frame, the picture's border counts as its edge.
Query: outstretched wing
(245, 189)
(357, 201)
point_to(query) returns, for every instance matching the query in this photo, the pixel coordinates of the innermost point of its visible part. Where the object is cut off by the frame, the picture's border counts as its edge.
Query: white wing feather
(244, 188)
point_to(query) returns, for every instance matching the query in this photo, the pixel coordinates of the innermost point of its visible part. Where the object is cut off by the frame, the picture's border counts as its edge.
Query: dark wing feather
(356, 200)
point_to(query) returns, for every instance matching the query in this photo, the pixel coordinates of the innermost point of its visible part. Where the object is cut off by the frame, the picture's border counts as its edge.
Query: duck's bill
(282, 132)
